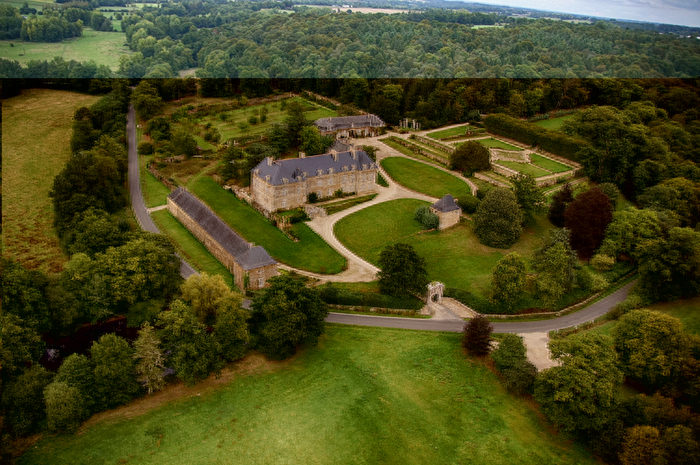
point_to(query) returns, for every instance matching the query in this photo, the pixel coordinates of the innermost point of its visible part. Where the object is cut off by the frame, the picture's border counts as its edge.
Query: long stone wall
(434, 144)
(510, 155)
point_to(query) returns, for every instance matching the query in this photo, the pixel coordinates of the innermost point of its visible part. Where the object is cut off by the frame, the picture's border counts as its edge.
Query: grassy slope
(365, 395)
(36, 147)
(448, 132)
(311, 253)
(453, 256)
(423, 178)
(546, 163)
(104, 48)
(401, 149)
(498, 144)
(154, 192)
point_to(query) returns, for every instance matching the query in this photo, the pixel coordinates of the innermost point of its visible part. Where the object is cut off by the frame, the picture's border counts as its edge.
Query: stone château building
(447, 211)
(251, 266)
(286, 184)
(350, 126)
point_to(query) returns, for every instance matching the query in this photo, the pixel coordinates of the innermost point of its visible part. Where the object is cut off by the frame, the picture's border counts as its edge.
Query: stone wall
(264, 273)
(503, 171)
(433, 143)
(510, 155)
(447, 219)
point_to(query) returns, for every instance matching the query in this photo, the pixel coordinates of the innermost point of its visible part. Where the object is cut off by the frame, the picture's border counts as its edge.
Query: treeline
(50, 25)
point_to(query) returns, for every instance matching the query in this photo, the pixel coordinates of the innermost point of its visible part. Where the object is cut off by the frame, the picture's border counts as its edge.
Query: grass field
(154, 192)
(423, 178)
(36, 146)
(189, 246)
(546, 163)
(553, 123)
(458, 131)
(453, 256)
(38, 4)
(311, 253)
(363, 396)
(497, 144)
(525, 168)
(104, 48)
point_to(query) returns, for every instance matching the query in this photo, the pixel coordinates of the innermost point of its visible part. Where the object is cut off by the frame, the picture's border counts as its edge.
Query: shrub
(498, 221)
(469, 157)
(632, 302)
(252, 119)
(22, 399)
(313, 197)
(145, 148)
(299, 216)
(468, 204)
(64, 407)
(602, 262)
(477, 336)
(509, 352)
(520, 378)
(428, 219)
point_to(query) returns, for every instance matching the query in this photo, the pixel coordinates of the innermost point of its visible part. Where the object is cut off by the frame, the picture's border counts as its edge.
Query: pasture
(424, 178)
(36, 146)
(364, 395)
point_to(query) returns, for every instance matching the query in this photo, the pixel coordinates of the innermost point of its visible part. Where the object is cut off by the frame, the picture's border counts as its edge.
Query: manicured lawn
(497, 144)
(154, 192)
(335, 207)
(364, 395)
(448, 132)
(546, 163)
(431, 149)
(401, 149)
(453, 256)
(311, 253)
(524, 168)
(497, 177)
(36, 146)
(189, 246)
(104, 48)
(553, 123)
(424, 178)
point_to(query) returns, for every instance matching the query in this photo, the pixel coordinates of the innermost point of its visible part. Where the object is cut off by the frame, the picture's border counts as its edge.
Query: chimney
(334, 154)
(302, 155)
(354, 154)
(269, 161)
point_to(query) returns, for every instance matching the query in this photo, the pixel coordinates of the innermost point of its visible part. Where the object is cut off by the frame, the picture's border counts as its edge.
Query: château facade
(350, 126)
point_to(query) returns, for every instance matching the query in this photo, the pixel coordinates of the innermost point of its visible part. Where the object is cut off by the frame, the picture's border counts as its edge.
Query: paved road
(137, 203)
(587, 314)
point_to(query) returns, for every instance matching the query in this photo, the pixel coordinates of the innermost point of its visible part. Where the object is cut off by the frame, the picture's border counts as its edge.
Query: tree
(678, 195)
(150, 360)
(611, 191)
(285, 315)
(204, 292)
(402, 271)
(113, 360)
(231, 328)
(680, 447)
(508, 280)
(560, 200)
(629, 229)
(469, 157)
(23, 399)
(64, 407)
(147, 101)
(530, 197)
(641, 446)
(498, 219)
(580, 394)
(24, 295)
(94, 231)
(21, 345)
(182, 143)
(555, 264)
(587, 217)
(295, 122)
(509, 352)
(520, 378)
(477, 336)
(651, 345)
(77, 371)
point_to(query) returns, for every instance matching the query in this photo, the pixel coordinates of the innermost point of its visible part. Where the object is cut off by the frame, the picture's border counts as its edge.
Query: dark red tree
(560, 200)
(587, 217)
(476, 336)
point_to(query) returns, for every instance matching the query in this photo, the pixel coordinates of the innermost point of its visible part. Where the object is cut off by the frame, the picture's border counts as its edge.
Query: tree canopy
(402, 271)
(498, 219)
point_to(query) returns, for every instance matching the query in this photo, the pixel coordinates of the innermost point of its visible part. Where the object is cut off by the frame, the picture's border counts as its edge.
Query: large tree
(530, 197)
(476, 336)
(587, 217)
(508, 281)
(560, 200)
(498, 219)
(402, 271)
(231, 328)
(469, 157)
(78, 371)
(555, 264)
(115, 381)
(23, 399)
(285, 315)
(204, 292)
(150, 365)
(64, 407)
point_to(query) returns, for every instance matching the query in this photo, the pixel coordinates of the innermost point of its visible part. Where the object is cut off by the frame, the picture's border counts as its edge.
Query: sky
(683, 12)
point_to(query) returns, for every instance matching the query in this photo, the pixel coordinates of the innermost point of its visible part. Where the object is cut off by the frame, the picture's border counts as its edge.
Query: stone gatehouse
(447, 211)
(250, 265)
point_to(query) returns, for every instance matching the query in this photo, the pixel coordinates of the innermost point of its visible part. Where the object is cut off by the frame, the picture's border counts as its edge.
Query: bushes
(64, 407)
(428, 219)
(145, 148)
(477, 336)
(334, 295)
(511, 360)
(468, 204)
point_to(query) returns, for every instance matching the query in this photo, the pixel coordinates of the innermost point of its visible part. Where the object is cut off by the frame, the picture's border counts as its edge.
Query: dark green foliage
(631, 228)
(21, 345)
(560, 200)
(469, 157)
(508, 281)
(520, 378)
(476, 337)
(530, 198)
(182, 143)
(555, 264)
(678, 195)
(498, 219)
(23, 400)
(113, 361)
(299, 216)
(334, 295)
(680, 446)
(78, 371)
(159, 129)
(24, 295)
(641, 446)
(428, 219)
(313, 197)
(231, 329)
(295, 122)
(587, 217)
(285, 315)
(611, 191)
(402, 271)
(147, 100)
(509, 352)
(468, 204)
(94, 231)
(64, 407)
(145, 148)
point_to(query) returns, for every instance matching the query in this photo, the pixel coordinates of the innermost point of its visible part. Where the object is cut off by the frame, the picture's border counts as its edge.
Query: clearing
(36, 146)
(364, 395)
(554, 124)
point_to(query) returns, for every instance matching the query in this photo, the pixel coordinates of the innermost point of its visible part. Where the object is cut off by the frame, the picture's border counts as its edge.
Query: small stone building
(350, 126)
(286, 184)
(447, 211)
(250, 265)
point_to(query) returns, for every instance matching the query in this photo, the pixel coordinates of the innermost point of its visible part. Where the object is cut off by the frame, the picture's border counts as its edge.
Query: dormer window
(319, 172)
(330, 170)
(345, 167)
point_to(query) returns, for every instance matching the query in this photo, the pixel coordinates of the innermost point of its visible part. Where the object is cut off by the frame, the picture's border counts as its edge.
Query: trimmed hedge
(550, 141)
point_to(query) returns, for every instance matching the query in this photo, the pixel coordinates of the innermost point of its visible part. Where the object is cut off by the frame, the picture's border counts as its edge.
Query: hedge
(550, 141)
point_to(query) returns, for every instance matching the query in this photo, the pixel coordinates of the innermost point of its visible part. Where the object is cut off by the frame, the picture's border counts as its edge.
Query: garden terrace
(525, 168)
(497, 144)
(415, 151)
(548, 164)
(553, 124)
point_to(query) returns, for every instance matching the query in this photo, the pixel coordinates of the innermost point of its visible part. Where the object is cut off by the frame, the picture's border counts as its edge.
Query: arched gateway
(435, 291)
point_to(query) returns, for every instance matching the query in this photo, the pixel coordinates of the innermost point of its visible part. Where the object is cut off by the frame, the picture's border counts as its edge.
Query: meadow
(36, 146)
(104, 48)
(424, 178)
(364, 395)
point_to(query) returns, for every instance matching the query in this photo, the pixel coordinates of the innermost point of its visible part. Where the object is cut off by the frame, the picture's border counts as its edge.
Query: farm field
(31, 161)
(525, 168)
(437, 135)
(453, 256)
(546, 163)
(497, 144)
(104, 48)
(554, 124)
(189, 246)
(364, 395)
(423, 178)
(311, 253)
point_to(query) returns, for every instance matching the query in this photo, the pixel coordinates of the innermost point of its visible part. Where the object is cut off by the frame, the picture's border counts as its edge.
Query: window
(284, 192)
(345, 178)
(284, 203)
(261, 282)
(330, 192)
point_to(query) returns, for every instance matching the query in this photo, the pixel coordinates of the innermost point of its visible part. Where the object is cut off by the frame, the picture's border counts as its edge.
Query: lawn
(497, 144)
(311, 253)
(104, 48)
(524, 168)
(189, 246)
(36, 146)
(424, 178)
(154, 192)
(409, 153)
(553, 123)
(364, 396)
(458, 131)
(38, 4)
(453, 256)
(546, 163)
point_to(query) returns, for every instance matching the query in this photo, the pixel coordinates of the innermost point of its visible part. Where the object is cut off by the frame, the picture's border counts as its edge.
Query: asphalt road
(589, 313)
(137, 203)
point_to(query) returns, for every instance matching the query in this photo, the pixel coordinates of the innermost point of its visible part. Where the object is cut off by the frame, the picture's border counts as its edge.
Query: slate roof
(445, 204)
(248, 257)
(349, 122)
(300, 169)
